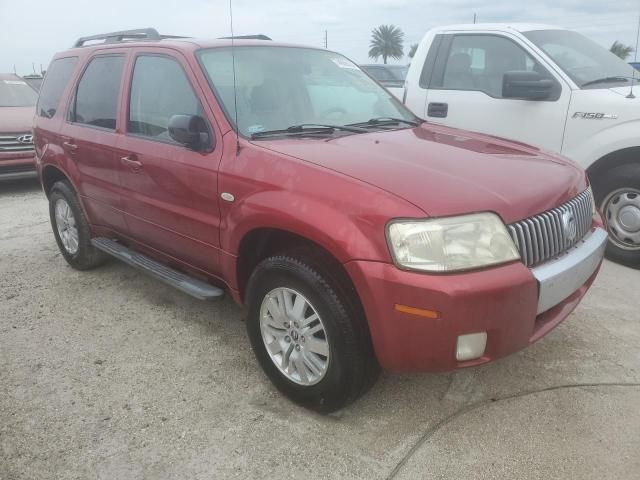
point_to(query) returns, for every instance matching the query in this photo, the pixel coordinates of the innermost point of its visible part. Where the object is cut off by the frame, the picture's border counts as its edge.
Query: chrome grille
(9, 142)
(544, 236)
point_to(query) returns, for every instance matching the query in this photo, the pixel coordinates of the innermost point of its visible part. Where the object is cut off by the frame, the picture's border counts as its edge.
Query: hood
(445, 171)
(16, 119)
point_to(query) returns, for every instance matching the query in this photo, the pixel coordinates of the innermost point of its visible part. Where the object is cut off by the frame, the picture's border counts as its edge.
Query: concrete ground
(109, 374)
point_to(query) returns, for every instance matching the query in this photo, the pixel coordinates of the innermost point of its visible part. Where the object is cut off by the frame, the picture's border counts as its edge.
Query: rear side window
(96, 99)
(56, 80)
(159, 90)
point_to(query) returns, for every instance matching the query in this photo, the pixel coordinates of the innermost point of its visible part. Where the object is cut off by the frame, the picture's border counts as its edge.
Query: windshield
(16, 93)
(398, 71)
(278, 87)
(583, 60)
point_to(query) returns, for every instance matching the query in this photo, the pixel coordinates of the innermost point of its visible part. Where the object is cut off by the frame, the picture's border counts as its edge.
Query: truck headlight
(451, 244)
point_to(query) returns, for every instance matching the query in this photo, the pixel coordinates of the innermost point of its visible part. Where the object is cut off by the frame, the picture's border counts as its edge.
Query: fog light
(471, 346)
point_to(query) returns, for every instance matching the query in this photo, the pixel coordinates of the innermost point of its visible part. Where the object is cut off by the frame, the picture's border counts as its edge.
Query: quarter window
(479, 62)
(159, 90)
(96, 99)
(56, 80)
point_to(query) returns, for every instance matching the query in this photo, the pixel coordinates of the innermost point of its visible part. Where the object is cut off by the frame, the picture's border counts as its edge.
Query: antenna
(235, 89)
(635, 59)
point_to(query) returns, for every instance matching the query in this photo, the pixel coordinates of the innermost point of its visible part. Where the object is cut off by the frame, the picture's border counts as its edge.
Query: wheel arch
(618, 158)
(263, 242)
(52, 174)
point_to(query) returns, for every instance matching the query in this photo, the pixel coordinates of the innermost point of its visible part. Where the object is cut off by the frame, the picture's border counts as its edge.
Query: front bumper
(513, 304)
(17, 165)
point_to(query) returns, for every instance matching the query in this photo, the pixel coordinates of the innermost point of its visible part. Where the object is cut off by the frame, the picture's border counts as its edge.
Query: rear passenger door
(170, 191)
(464, 90)
(89, 137)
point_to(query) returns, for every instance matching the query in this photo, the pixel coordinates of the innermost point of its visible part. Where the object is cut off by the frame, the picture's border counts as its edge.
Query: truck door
(465, 90)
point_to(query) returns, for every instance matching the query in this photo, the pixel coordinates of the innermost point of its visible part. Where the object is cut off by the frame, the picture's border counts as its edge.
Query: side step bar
(191, 286)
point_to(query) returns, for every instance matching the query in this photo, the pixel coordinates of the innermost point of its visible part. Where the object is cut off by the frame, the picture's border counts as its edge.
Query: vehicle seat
(458, 73)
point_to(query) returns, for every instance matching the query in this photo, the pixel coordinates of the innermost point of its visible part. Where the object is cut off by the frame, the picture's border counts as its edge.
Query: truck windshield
(16, 93)
(278, 87)
(587, 63)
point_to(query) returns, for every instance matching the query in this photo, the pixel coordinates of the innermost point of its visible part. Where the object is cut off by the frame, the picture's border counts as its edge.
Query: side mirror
(190, 131)
(526, 85)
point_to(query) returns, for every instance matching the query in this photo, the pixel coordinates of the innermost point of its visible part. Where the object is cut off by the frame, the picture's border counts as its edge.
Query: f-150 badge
(594, 116)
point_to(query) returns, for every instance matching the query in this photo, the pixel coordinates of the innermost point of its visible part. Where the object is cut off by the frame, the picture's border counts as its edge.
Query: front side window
(278, 87)
(14, 92)
(159, 90)
(587, 63)
(56, 79)
(479, 62)
(96, 99)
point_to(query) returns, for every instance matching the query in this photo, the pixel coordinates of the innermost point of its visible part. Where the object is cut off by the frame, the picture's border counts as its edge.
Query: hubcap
(294, 335)
(66, 226)
(622, 210)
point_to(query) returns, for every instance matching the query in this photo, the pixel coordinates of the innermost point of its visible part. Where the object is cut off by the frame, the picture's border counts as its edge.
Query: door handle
(70, 146)
(131, 163)
(438, 110)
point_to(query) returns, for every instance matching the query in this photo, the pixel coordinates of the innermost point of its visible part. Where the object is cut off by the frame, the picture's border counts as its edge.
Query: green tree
(621, 50)
(386, 42)
(412, 50)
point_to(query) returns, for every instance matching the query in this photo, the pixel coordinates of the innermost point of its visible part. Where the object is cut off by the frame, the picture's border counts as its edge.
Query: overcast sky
(31, 31)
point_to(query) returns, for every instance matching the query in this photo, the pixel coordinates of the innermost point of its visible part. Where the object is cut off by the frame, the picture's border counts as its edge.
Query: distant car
(635, 65)
(34, 81)
(17, 108)
(390, 76)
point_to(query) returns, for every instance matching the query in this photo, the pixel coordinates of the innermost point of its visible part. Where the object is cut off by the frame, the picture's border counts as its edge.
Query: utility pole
(325, 40)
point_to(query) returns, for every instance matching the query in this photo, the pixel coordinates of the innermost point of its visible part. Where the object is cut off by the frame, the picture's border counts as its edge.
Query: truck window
(479, 62)
(159, 90)
(96, 98)
(56, 79)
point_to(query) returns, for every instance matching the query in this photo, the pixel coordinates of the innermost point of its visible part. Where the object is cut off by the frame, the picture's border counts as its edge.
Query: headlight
(450, 244)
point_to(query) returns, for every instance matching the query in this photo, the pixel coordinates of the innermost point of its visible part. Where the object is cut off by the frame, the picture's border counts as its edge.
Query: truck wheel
(307, 336)
(617, 193)
(71, 229)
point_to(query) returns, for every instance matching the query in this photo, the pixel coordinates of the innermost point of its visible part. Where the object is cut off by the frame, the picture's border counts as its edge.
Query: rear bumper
(509, 303)
(17, 165)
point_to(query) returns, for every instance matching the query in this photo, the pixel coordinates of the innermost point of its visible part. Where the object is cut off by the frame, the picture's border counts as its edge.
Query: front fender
(587, 149)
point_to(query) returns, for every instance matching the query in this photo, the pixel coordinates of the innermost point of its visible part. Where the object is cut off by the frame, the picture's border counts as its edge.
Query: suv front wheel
(307, 335)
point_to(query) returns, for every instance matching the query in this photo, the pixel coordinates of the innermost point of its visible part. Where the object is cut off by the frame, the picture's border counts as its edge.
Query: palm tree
(386, 42)
(412, 50)
(621, 50)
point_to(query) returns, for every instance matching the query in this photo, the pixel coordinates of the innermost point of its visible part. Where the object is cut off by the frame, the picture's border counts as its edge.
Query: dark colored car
(17, 108)
(357, 235)
(391, 76)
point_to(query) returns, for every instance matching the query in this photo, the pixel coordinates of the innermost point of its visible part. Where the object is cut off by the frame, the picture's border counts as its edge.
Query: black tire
(86, 256)
(610, 181)
(352, 368)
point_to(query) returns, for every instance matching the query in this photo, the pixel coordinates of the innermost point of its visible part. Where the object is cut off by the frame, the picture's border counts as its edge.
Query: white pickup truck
(544, 86)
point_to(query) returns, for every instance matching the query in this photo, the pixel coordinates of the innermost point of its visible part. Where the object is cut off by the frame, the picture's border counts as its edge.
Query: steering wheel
(332, 112)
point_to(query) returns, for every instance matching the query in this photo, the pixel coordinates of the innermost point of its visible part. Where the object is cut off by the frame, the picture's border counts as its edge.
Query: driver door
(170, 192)
(465, 91)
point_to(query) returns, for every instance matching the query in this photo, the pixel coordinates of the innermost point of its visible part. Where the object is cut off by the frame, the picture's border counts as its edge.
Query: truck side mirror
(190, 131)
(526, 85)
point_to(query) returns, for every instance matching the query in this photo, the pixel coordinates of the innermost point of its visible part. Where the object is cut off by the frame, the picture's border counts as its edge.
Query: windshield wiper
(606, 80)
(382, 121)
(309, 128)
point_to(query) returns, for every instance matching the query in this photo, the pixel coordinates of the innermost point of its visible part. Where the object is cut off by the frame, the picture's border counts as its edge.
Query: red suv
(357, 235)
(17, 104)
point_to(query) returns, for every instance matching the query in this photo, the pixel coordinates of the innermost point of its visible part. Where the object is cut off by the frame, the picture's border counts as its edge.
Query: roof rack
(247, 37)
(125, 35)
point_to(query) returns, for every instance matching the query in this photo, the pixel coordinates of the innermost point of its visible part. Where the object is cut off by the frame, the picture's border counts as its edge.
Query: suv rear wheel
(307, 335)
(71, 229)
